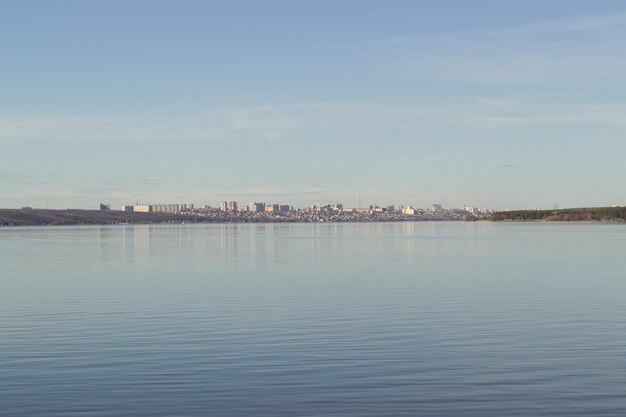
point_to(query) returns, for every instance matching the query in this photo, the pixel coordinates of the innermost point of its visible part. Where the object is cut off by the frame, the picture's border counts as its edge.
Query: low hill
(35, 217)
(573, 214)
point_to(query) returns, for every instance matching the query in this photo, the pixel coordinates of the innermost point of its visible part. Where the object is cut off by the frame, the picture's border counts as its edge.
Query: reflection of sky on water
(382, 319)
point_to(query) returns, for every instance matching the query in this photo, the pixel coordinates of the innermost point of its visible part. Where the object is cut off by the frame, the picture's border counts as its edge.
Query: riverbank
(573, 214)
(45, 217)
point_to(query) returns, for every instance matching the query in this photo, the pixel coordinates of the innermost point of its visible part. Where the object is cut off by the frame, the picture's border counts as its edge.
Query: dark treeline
(41, 217)
(574, 214)
(34, 217)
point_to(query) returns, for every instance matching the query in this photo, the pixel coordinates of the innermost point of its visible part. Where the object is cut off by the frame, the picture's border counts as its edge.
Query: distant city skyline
(492, 104)
(260, 206)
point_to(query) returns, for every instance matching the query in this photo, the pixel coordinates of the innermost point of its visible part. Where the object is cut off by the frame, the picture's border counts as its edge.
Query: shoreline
(600, 214)
(79, 217)
(75, 217)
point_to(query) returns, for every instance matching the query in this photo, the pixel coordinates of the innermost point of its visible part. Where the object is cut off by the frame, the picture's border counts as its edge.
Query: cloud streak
(569, 24)
(522, 55)
(267, 122)
(341, 121)
(613, 117)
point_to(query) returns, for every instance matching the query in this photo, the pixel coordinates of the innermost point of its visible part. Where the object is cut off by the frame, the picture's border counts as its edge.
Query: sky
(488, 103)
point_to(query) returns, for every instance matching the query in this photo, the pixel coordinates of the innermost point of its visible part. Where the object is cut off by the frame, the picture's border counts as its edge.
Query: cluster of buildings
(474, 210)
(260, 211)
(337, 211)
(230, 206)
(157, 208)
(254, 207)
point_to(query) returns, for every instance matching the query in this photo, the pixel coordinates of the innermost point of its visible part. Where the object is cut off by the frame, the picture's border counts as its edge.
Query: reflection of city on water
(143, 243)
(174, 244)
(265, 245)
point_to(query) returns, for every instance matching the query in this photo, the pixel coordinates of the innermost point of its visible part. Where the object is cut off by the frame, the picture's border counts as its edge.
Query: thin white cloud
(275, 194)
(268, 122)
(139, 127)
(536, 53)
(498, 102)
(553, 26)
(586, 116)
(532, 99)
(570, 24)
(302, 121)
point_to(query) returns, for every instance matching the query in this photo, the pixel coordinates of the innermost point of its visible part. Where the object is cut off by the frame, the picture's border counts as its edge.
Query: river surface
(370, 319)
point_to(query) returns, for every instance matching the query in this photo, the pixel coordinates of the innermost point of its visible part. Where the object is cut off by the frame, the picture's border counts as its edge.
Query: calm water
(402, 319)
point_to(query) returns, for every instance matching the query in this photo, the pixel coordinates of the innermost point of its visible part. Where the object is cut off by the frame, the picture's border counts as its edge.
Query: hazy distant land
(42, 217)
(571, 214)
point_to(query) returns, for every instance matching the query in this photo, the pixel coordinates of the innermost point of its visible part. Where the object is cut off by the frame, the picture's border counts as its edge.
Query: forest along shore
(573, 214)
(42, 217)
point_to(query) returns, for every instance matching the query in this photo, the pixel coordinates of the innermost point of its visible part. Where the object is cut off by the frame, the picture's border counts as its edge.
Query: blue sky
(489, 103)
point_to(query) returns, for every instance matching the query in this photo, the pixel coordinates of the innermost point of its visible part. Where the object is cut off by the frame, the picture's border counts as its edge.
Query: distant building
(437, 207)
(469, 209)
(129, 209)
(283, 208)
(327, 208)
(228, 206)
(144, 208)
(104, 207)
(171, 208)
(272, 208)
(321, 208)
(257, 207)
(409, 211)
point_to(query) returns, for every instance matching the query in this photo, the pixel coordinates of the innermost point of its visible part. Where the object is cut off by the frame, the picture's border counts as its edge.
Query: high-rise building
(144, 208)
(104, 207)
(469, 209)
(228, 206)
(257, 207)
